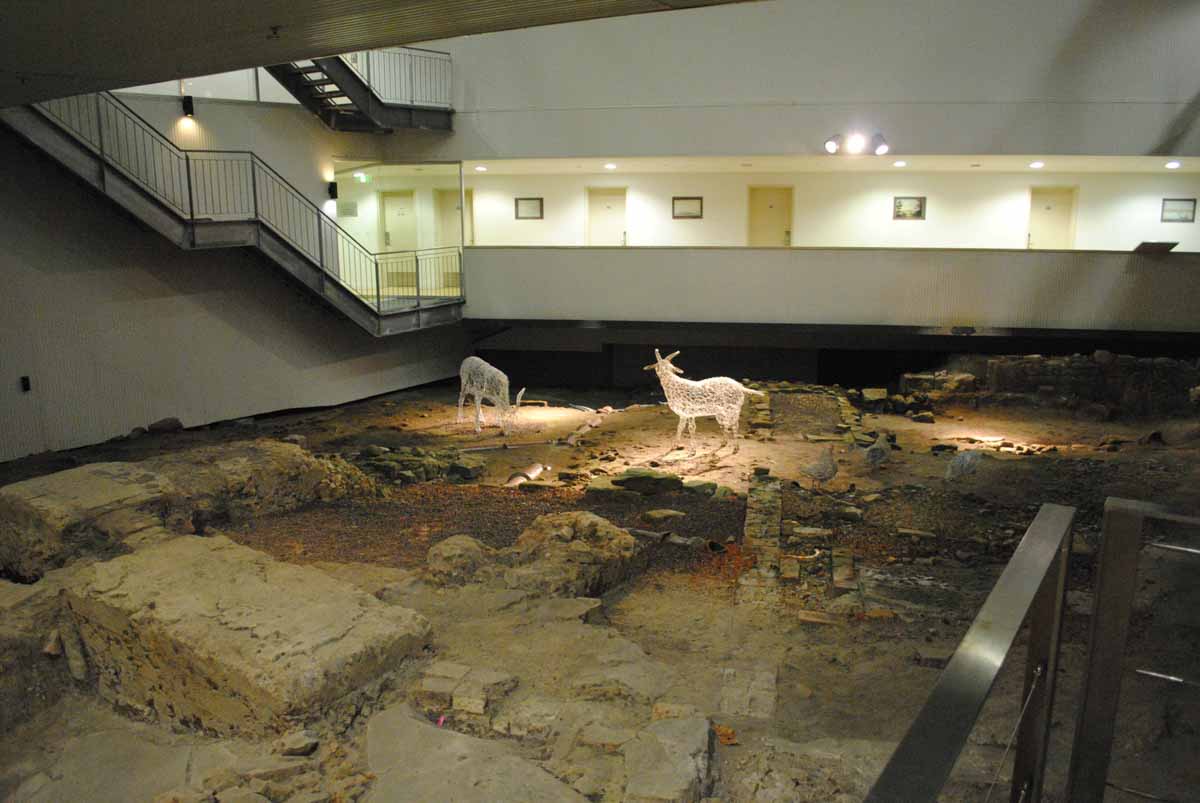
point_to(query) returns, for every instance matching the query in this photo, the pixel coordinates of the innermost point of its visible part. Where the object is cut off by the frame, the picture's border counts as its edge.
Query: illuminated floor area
(539, 681)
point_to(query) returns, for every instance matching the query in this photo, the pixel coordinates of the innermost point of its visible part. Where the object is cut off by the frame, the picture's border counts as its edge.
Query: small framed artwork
(908, 207)
(1179, 210)
(687, 207)
(528, 208)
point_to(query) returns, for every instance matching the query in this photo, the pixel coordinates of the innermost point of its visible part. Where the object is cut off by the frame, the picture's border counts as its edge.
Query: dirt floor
(849, 689)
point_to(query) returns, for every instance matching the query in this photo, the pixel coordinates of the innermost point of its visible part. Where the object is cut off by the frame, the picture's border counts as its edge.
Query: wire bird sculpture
(485, 381)
(718, 396)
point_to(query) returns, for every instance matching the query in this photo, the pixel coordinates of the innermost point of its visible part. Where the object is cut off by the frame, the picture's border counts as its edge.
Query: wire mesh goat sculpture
(717, 396)
(485, 381)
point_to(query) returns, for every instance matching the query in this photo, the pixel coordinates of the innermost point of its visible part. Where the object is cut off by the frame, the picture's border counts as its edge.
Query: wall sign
(1179, 210)
(908, 207)
(527, 208)
(687, 207)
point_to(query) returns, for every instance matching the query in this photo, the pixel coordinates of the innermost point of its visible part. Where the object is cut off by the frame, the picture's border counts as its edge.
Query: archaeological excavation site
(688, 591)
(620, 401)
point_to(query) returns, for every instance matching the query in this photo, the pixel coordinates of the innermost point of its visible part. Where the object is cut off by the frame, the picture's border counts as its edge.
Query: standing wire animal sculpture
(718, 396)
(485, 381)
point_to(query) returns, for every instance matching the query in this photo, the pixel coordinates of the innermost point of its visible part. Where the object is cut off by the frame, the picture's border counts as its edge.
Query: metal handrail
(387, 93)
(1033, 586)
(229, 188)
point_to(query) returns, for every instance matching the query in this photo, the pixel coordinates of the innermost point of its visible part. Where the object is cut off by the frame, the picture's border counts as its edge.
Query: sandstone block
(669, 762)
(226, 639)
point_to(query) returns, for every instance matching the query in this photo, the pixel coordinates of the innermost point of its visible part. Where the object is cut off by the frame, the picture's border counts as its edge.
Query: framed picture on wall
(687, 207)
(528, 208)
(1179, 210)
(908, 207)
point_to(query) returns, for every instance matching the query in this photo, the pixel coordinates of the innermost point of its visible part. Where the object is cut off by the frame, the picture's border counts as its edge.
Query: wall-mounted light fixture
(879, 145)
(189, 106)
(833, 144)
(855, 143)
(333, 190)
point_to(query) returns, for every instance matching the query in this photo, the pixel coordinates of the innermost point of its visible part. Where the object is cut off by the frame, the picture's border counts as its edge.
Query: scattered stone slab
(624, 671)
(700, 487)
(413, 760)
(662, 515)
(297, 743)
(457, 559)
(669, 762)
(925, 417)
(602, 487)
(531, 718)
(648, 481)
(225, 639)
(748, 692)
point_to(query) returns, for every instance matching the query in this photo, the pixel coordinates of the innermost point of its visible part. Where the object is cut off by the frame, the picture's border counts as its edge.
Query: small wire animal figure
(485, 381)
(718, 396)
(878, 452)
(823, 469)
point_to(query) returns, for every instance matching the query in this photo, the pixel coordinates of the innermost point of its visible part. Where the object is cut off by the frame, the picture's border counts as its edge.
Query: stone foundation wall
(1122, 383)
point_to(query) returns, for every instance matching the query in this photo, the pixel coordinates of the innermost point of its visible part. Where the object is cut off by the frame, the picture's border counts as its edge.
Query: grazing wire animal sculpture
(877, 453)
(717, 396)
(823, 469)
(485, 381)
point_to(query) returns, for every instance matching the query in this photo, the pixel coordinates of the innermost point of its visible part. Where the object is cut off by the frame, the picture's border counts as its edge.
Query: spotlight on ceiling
(879, 145)
(833, 144)
(333, 190)
(855, 143)
(899, 163)
(189, 106)
(480, 169)
(1174, 164)
(1037, 165)
(610, 166)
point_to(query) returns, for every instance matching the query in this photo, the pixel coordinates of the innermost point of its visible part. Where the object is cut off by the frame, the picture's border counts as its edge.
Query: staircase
(373, 91)
(232, 199)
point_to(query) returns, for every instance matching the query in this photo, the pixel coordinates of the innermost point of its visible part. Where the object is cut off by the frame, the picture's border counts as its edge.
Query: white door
(1051, 217)
(399, 222)
(606, 216)
(770, 217)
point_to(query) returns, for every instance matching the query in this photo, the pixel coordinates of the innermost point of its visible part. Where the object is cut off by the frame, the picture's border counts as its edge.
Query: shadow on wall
(120, 327)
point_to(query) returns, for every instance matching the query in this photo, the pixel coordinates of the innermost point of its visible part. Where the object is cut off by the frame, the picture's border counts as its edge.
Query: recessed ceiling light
(1173, 165)
(1037, 165)
(855, 143)
(480, 169)
(976, 164)
(900, 163)
(610, 166)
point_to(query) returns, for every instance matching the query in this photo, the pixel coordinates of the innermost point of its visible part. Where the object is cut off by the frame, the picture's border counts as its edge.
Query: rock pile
(410, 464)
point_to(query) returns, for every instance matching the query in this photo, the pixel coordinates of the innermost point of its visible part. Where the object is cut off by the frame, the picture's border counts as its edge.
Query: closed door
(770, 217)
(399, 222)
(1051, 217)
(606, 217)
(449, 217)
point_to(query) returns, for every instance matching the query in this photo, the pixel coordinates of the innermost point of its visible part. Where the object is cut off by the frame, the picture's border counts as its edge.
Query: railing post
(187, 168)
(100, 140)
(321, 241)
(378, 291)
(254, 186)
(412, 82)
(1116, 581)
(1041, 668)
(417, 263)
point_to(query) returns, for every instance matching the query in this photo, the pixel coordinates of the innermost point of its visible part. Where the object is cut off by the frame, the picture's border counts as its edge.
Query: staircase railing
(405, 75)
(205, 186)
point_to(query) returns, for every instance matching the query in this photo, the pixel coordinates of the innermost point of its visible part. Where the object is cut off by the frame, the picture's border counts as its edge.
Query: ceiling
(794, 164)
(67, 47)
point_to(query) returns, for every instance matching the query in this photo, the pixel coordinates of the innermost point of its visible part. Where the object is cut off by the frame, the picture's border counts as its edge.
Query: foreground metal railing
(408, 76)
(1033, 587)
(1116, 581)
(207, 186)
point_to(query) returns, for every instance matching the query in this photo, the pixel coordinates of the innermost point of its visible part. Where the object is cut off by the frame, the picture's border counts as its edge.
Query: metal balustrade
(1033, 587)
(207, 186)
(405, 75)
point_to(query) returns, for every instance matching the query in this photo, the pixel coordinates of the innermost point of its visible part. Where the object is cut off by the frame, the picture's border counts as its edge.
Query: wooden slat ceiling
(55, 48)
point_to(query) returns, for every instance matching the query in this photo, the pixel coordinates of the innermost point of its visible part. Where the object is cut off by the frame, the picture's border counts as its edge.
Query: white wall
(1072, 76)
(366, 225)
(255, 84)
(927, 288)
(841, 209)
(118, 328)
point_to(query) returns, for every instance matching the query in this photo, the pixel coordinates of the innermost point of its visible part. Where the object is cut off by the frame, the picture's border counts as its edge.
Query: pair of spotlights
(855, 143)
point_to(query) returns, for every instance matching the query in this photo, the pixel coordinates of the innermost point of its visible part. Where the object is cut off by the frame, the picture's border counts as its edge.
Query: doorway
(453, 223)
(1051, 218)
(770, 217)
(399, 221)
(606, 216)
